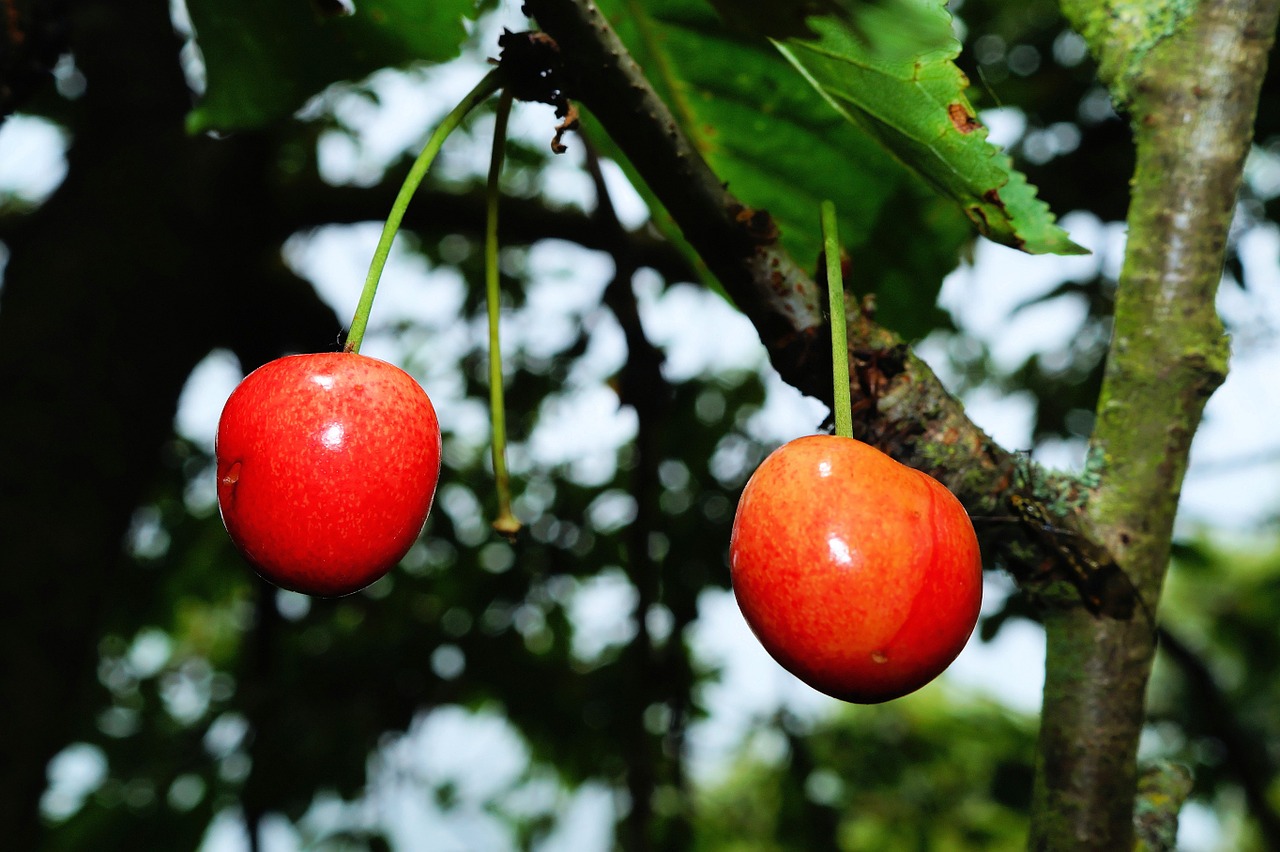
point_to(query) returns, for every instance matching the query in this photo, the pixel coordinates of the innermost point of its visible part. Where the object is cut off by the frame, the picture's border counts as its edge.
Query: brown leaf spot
(962, 119)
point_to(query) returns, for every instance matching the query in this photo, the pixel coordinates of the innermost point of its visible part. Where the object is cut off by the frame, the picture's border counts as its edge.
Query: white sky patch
(482, 759)
(192, 60)
(227, 834)
(335, 259)
(563, 291)
(1199, 829)
(1005, 417)
(1233, 481)
(985, 297)
(699, 331)
(751, 687)
(1005, 125)
(478, 755)
(786, 414)
(74, 773)
(33, 157)
(203, 396)
(1010, 668)
(583, 430)
(586, 822)
(627, 203)
(602, 610)
(398, 123)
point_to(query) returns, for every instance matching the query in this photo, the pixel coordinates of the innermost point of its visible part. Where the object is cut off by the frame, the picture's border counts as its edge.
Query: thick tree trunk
(1191, 87)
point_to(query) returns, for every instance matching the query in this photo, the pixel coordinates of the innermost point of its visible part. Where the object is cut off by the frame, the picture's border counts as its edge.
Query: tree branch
(1193, 106)
(1162, 791)
(435, 211)
(901, 406)
(1192, 97)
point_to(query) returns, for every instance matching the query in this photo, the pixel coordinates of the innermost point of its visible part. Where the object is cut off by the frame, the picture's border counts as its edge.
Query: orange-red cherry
(861, 576)
(327, 468)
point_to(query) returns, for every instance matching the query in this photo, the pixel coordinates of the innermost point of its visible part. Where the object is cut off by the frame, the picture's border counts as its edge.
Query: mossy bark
(1190, 86)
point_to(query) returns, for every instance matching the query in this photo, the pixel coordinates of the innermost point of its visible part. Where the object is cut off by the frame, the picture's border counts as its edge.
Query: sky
(1233, 482)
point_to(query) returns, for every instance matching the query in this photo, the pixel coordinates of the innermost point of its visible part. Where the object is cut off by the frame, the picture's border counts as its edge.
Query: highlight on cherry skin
(859, 575)
(327, 468)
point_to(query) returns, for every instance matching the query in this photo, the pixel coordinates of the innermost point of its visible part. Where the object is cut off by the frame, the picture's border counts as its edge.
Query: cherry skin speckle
(859, 575)
(327, 468)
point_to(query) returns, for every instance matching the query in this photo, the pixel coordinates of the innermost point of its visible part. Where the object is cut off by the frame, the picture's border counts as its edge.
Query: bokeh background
(592, 686)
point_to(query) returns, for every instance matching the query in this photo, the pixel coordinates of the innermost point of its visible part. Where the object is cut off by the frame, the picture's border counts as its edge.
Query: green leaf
(778, 145)
(916, 108)
(911, 33)
(264, 60)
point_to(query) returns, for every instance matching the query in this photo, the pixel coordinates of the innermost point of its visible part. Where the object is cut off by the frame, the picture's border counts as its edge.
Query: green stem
(506, 522)
(486, 87)
(842, 406)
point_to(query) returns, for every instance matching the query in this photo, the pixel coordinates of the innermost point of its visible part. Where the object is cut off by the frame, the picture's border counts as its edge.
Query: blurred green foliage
(263, 61)
(216, 694)
(935, 770)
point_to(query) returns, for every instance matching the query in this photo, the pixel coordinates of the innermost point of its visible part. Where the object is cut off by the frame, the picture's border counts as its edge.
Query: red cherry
(861, 576)
(327, 466)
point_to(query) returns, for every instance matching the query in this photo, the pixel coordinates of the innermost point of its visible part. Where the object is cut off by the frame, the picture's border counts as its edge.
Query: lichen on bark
(1189, 76)
(1122, 33)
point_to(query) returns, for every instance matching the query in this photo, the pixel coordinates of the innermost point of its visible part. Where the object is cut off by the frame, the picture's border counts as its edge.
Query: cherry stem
(842, 403)
(486, 87)
(506, 522)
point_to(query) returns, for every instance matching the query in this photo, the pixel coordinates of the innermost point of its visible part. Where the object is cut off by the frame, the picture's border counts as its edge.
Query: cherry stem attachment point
(506, 523)
(842, 403)
(486, 87)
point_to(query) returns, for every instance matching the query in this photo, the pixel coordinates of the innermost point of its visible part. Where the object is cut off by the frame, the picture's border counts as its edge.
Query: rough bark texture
(1192, 80)
(899, 403)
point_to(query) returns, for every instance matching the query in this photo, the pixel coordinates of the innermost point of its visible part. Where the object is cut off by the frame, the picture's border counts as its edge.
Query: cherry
(861, 576)
(327, 467)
